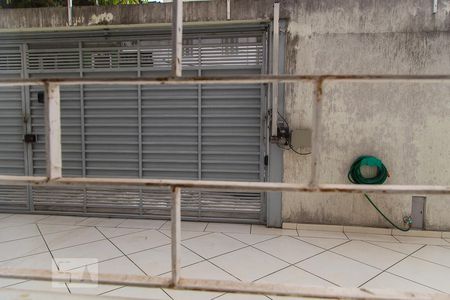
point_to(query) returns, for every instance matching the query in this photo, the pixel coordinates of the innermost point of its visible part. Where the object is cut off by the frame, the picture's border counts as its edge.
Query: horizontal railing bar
(227, 185)
(244, 79)
(216, 285)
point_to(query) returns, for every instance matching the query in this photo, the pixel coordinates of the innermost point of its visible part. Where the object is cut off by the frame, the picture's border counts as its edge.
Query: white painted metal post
(275, 66)
(69, 12)
(53, 131)
(435, 6)
(176, 235)
(228, 9)
(177, 37)
(315, 149)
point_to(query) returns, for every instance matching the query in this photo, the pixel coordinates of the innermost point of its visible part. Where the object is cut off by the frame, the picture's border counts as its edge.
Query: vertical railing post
(52, 118)
(275, 66)
(316, 119)
(177, 37)
(176, 234)
(69, 12)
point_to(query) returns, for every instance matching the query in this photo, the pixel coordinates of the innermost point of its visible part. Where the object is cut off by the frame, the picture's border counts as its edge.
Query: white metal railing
(54, 177)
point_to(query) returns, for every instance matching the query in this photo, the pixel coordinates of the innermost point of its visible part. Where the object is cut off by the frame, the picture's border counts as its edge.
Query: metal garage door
(12, 147)
(181, 132)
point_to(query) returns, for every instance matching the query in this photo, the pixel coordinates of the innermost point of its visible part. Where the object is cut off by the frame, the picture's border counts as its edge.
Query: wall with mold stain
(406, 125)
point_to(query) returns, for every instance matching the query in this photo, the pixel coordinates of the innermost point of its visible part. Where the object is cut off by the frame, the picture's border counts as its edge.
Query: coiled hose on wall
(355, 176)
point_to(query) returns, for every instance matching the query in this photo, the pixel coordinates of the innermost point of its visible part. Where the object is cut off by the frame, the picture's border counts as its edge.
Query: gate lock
(30, 138)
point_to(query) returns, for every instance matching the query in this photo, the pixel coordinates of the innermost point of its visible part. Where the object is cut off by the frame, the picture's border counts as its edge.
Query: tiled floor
(219, 251)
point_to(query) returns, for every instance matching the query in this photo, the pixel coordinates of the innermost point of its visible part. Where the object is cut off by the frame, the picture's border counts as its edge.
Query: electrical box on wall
(301, 138)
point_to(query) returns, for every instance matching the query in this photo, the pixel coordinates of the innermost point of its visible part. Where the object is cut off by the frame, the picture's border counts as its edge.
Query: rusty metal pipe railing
(54, 177)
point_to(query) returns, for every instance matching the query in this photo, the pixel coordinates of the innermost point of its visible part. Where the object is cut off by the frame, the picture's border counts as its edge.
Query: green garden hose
(355, 176)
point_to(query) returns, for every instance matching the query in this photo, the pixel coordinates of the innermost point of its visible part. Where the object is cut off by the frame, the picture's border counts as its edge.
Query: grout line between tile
(122, 252)
(13, 284)
(51, 254)
(140, 230)
(67, 286)
(208, 259)
(384, 270)
(50, 251)
(15, 240)
(225, 233)
(194, 237)
(24, 256)
(372, 243)
(300, 238)
(437, 290)
(117, 226)
(77, 245)
(164, 291)
(118, 288)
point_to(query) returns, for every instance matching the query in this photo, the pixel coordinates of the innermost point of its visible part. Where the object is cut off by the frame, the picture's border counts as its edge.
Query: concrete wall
(406, 125)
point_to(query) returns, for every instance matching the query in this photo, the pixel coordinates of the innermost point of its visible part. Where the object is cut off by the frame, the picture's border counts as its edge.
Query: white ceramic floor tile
(119, 265)
(49, 228)
(144, 224)
(212, 244)
(62, 220)
(72, 238)
(204, 270)
(104, 222)
(241, 297)
(101, 250)
(15, 220)
(5, 282)
(421, 240)
(2, 216)
(187, 226)
(322, 234)
(423, 272)
(325, 243)
(226, 227)
(251, 239)
(23, 247)
(436, 254)
(372, 255)
(338, 269)
(139, 241)
(110, 232)
(399, 247)
(261, 229)
(90, 289)
(191, 295)
(185, 234)
(389, 281)
(35, 285)
(371, 237)
(295, 276)
(131, 292)
(157, 261)
(42, 261)
(248, 264)
(18, 232)
(288, 248)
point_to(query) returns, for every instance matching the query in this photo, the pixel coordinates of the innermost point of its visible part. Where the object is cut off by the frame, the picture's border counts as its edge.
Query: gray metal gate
(182, 132)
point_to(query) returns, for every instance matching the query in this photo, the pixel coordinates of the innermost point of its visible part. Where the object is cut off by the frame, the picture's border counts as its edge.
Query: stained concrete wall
(406, 125)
